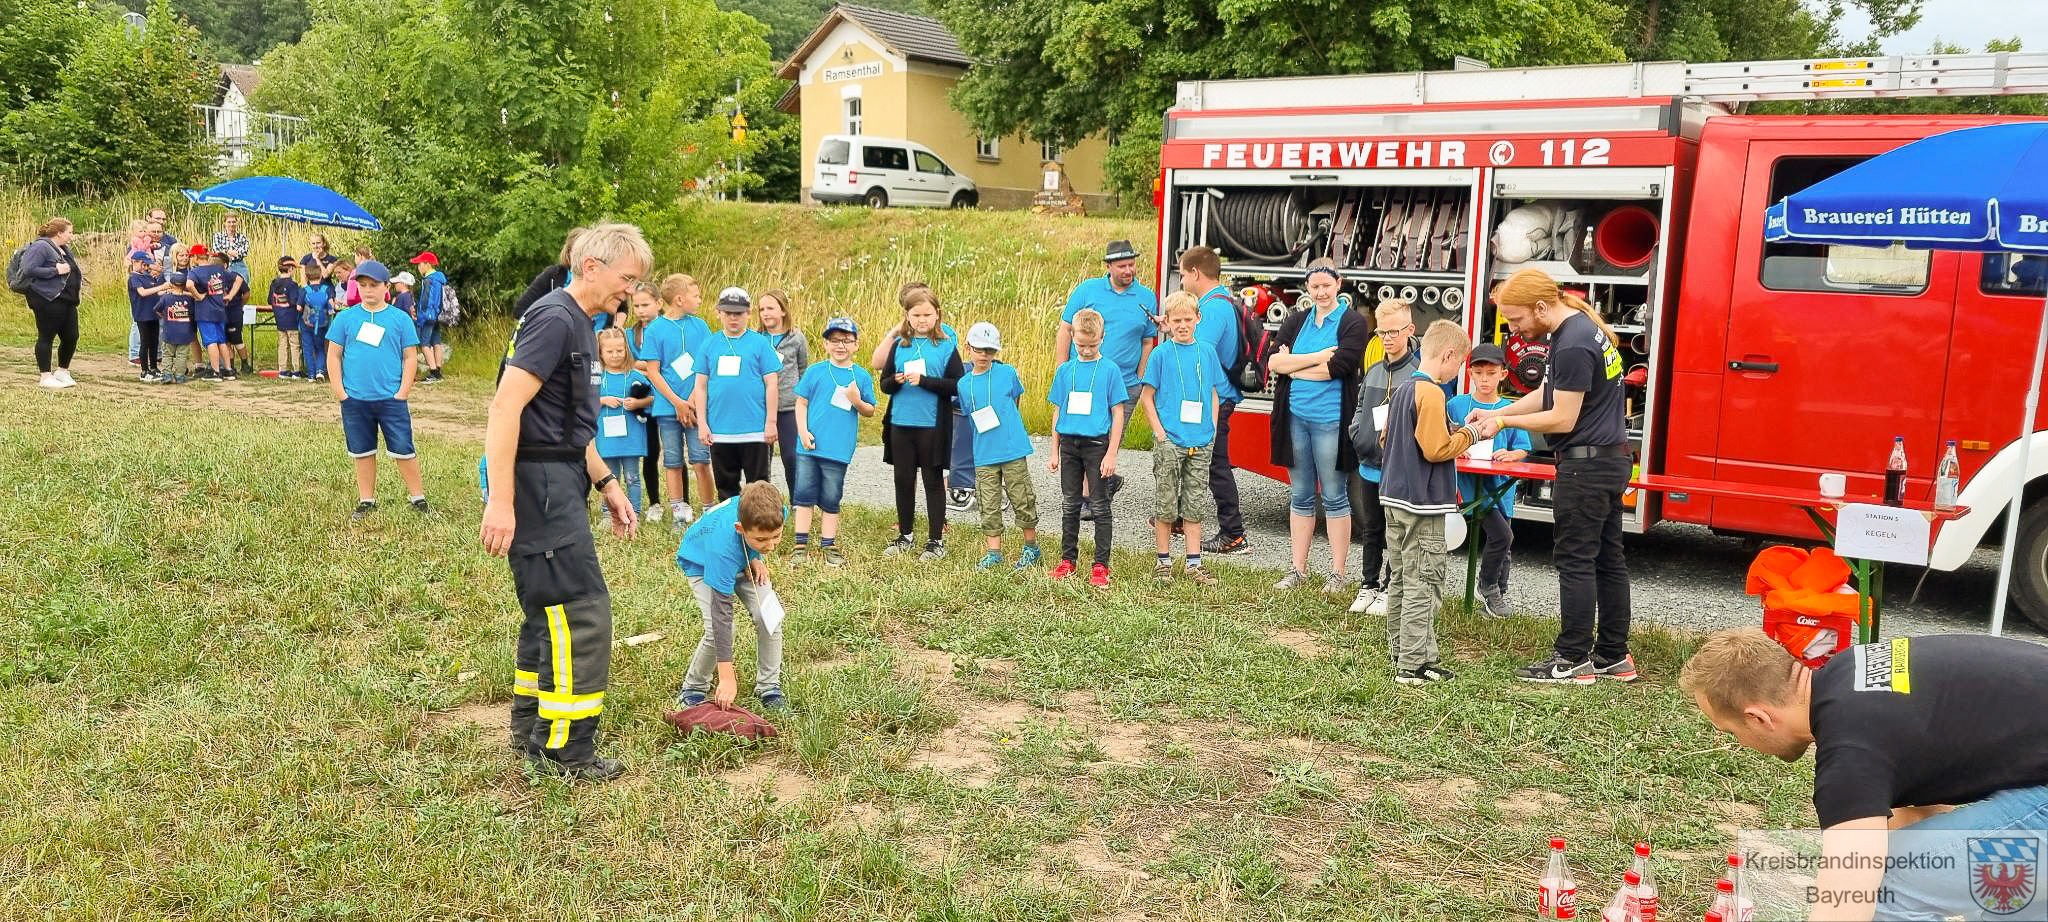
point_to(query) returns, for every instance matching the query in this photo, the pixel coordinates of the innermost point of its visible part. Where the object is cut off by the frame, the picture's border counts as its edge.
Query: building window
(988, 148)
(1050, 150)
(853, 115)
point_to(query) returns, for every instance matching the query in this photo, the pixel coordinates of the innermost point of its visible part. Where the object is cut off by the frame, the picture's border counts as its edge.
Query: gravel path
(1684, 575)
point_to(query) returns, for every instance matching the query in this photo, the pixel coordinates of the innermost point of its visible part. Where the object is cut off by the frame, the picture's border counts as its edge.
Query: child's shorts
(1182, 478)
(1011, 479)
(679, 441)
(362, 420)
(430, 333)
(210, 333)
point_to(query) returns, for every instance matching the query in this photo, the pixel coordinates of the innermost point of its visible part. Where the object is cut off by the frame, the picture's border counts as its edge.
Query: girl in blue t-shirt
(621, 430)
(921, 374)
(316, 292)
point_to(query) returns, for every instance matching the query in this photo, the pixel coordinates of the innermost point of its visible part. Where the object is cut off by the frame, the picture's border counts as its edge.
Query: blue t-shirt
(671, 344)
(174, 308)
(1103, 384)
(713, 549)
(318, 299)
(621, 433)
(403, 301)
(733, 368)
(212, 283)
(836, 430)
(990, 401)
(1218, 328)
(141, 307)
(1181, 374)
(1457, 408)
(285, 298)
(1316, 401)
(1126, 321)
(373, 364)
(915, 407)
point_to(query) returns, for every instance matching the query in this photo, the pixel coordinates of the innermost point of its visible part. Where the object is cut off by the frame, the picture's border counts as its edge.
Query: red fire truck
(1637, 186)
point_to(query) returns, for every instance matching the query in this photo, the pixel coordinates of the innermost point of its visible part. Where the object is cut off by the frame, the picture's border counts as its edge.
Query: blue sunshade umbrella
(284, 197)
(1978, 189)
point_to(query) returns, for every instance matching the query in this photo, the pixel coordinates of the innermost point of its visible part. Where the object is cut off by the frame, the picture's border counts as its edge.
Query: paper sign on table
(1886, 533)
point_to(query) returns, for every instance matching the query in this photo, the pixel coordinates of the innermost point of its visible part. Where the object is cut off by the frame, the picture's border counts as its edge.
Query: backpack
(17, 268)
(1254, 342)
(451, 306)
(710, 718)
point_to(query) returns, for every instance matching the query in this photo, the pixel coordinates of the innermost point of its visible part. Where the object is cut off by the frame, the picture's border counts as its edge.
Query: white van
(887, 171)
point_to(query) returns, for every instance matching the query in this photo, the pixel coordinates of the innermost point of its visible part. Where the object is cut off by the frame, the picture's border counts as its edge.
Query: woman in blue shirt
(1322, 344)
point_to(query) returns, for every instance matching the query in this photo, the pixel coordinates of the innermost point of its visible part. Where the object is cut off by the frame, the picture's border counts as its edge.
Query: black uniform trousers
(563, 660)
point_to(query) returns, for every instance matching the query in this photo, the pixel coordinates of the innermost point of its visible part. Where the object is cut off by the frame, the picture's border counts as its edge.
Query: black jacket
(549, 279)
(945, 386)
(1354, 333)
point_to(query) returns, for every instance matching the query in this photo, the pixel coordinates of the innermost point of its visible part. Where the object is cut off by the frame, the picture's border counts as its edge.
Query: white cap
(984, 335)
(404, 278)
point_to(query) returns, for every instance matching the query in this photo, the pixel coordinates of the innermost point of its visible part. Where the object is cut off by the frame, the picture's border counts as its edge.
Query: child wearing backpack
(316, 295)
(1227, 330)
(621, 431)
(286, 299)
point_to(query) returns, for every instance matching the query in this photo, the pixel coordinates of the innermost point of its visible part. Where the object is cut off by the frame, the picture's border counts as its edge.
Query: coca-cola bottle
(1713, 915)
(1623, 908)
(1723, 909)
(1646, 891)
(1742, 907)
(1557, 894)
(1895, 473)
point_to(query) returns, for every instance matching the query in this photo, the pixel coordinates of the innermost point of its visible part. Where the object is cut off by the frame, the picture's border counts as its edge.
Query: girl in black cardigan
(1316, 453)
(921, 373)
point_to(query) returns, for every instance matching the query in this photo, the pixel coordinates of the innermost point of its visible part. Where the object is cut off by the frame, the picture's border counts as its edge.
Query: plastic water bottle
(1723, 908)
(1948, 479)
(1557, 894)
(1624, 906)
(1713, 915)
(1742, 906)
(1895, 473)
(1646, 891)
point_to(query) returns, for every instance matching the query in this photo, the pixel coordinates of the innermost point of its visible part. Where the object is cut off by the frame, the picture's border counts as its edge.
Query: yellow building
(875, 72)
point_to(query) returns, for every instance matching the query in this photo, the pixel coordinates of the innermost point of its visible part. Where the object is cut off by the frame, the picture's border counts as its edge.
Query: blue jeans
(314, 341)
(1315, 463)
(820, 482)
(627, 469)
(2009, 824)
(680, 443)
(362, 420)
(960, 470)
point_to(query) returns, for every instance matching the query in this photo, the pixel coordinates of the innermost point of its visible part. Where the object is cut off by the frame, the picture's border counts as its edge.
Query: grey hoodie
(1373, 388)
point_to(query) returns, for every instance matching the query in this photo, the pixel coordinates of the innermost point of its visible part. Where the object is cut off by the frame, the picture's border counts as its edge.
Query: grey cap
(1119, 250)
(1487, 353)
(984, 335)
(735, 300)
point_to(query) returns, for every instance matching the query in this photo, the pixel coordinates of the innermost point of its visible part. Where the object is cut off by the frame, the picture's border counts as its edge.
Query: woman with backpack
(47, 275)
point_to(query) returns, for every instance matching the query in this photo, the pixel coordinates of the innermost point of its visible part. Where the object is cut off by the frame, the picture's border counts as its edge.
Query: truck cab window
(1821, 267)
(2014, 274)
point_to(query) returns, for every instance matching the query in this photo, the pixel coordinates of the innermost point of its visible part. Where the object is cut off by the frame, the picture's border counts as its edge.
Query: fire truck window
(2015, 274)
(1818, 267)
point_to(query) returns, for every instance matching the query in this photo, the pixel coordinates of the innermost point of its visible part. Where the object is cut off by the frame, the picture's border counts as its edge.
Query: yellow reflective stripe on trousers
(525, 683)
(558, 734)
(555, 705)
(558, 640)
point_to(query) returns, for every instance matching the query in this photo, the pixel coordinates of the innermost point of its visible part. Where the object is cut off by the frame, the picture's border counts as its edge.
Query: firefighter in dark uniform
(541, 463)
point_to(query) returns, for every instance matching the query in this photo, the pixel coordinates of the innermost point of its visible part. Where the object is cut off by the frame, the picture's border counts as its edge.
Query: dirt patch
(785, 783)
(1530, 803)
(1307, 645)
(1739, 816)
(967, 750)
(484, 715)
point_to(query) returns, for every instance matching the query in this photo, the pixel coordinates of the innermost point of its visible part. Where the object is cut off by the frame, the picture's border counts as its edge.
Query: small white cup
(1833, 485)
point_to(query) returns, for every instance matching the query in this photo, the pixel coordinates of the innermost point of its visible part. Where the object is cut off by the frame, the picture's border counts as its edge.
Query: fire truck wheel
(2030, 565)
(876, 198)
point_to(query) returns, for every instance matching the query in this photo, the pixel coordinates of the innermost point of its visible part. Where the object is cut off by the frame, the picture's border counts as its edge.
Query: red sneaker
(1098, 576)
(1064, 571)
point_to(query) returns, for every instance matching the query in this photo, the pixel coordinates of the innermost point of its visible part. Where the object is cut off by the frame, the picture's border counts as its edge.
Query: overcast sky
(1969, 23)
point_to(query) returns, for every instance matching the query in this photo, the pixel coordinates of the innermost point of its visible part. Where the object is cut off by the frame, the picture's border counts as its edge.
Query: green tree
(37, 38)
(240, 31)
(789, 22)
(121, 112)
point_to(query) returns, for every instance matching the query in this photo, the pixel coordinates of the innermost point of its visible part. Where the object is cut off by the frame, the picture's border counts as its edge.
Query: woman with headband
(1322, 345)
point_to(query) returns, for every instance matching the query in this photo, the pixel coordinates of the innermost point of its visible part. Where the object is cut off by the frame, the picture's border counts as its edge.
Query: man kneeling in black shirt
(1925, 735)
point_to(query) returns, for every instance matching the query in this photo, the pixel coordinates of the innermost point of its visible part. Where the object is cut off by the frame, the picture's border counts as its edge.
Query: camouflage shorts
(1181, 477)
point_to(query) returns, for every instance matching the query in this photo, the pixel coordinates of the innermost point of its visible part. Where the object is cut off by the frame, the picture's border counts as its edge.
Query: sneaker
(1200, 574)
(832, 556)
(1424, 674)
(1115, 483)
(689, 699)
(431, 378)
(136, 362)
(1378, 606)
(1235, 547)
(959, 500)
(1367, 595)
(1495, 603)
(653, 514)
(1029, 557)
(1098, 576)
(774, 703)
(419, 505)
(1621, 670)
(363, 510)
(1163, 572)
(990, 561)
(686, 515)
(51, 381)
(146, 378)
(591, 770)
(228, 375)
(800, 553)
(1295, 579)
(902, 545)
(933, 550)
(320, 378)
(1336, 584)
(1557, 671)
(1065, 570)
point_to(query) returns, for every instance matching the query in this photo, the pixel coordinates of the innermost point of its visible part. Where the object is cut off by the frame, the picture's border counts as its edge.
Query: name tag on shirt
(1080, 403)
(370, 334)
(1191, 411)
(984, 419)
(614, 427)
(914, 367)
(728, 366)
(1379, 417)
(683, 365)
(839, 398)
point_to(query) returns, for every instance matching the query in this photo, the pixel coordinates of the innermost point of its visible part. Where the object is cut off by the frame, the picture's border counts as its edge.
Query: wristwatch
(604, 482)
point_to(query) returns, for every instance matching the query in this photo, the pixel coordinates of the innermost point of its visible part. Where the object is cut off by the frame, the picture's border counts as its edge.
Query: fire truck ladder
(1995, 74)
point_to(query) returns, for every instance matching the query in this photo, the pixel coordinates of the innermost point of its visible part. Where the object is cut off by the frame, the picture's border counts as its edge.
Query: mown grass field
(221, 701)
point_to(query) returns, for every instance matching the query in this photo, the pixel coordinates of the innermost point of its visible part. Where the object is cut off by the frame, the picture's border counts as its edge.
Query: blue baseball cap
(841, 324)
(141, 255)
(373, 270)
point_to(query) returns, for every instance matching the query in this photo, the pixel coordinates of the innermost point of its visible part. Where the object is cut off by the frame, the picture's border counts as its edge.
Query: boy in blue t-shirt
(1180, 398)
(144, 287)
(316, 295)
(621, 433)
(1088, 399)
(831, 398)
(734, 396)
(989, 396)
(667, 355)
(371, 349)
(1487, 366)
(174, 315)
(721, 556)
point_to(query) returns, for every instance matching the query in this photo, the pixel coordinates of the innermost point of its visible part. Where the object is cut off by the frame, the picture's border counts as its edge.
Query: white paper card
(770, 612)
(683, 365)
(1379, 417)
(1481, 450)
(614, 426)
(984, 419)
(1191, 411)
(839, 398)
(728, 366)
(248, 315)
(370, 334)
(1080, 403)
(1887, 533)
(914, 367)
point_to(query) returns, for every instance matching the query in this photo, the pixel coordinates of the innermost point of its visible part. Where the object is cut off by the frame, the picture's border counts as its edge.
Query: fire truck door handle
(1768, 368)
